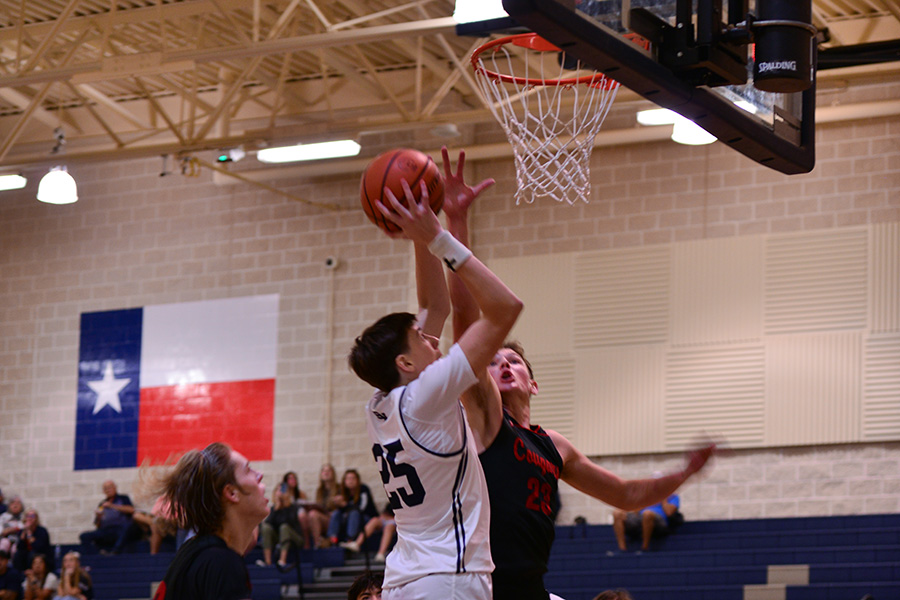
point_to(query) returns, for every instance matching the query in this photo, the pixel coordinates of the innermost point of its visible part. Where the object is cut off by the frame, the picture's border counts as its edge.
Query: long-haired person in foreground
(215, 493)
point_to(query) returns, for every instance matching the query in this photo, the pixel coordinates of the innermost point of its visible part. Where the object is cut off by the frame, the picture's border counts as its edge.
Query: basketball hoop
(551, 114)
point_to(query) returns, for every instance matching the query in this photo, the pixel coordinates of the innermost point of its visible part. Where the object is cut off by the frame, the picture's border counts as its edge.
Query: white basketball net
(550, 120)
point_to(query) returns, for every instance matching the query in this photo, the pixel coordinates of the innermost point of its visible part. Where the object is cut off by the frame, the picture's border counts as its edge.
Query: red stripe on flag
(175, 419)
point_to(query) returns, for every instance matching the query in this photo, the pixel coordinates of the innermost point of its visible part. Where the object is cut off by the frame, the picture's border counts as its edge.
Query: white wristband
(453, 252)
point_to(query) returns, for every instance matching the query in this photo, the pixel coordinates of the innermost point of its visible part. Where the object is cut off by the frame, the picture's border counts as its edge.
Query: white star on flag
(107, 390)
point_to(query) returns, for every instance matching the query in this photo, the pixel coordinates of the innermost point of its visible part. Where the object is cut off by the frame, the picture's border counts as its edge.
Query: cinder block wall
(136, 238)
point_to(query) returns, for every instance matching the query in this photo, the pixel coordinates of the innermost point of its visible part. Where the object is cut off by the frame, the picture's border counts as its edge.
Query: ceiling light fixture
(12, 182)
(684, 131)
(57, 187)
(469, 11)
(317, 151)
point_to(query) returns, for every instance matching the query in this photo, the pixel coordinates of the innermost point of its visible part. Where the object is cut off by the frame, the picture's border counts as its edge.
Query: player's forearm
(464, 309)
(431, 289)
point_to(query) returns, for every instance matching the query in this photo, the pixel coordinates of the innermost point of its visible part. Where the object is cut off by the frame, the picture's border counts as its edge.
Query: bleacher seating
(847, 557)
(835, 558)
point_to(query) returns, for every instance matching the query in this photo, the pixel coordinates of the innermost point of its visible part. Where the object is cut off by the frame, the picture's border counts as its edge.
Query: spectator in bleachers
(619, 594)
(10, 579)
(283, 523)
(318, 516)
(11, 524)
(34, 539)
(40, 582)
(384, 523)
(355, 508)
(158, 522)
(655, 521)
(74, 582)
(2, 504)
(112, 520)
(366, 587)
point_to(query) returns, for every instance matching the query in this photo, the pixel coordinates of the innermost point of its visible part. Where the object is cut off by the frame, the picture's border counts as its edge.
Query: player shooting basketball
(422, 442)
(522, 462)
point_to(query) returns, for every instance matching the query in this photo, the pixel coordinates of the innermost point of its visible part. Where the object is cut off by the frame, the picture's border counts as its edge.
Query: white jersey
(440, 500)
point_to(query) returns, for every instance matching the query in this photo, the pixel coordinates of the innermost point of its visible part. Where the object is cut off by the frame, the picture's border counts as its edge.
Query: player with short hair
(421, 439)
(366, 587)
(523, 462)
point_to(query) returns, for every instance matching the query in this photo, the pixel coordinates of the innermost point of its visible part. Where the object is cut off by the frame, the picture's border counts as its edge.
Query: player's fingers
(482, 186)
(397, 206)
(423, 202)
(460, 163)
(445, 158)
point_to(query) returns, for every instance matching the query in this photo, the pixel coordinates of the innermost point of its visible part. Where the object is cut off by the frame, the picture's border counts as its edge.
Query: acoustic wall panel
(816, 281)
(885, 278)
(717, 391)
(881, 402)
(554, 405)
(620, 400)
(545, 285)
(621, 297)
(813, 388)
(717, 291)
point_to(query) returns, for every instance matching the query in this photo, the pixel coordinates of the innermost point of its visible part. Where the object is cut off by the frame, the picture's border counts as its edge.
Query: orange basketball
(387, 170)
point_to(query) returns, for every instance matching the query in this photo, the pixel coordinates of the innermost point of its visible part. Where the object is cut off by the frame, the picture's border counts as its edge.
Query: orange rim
(533, 41)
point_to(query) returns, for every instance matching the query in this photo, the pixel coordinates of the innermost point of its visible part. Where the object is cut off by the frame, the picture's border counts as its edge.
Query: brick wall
(136, 238)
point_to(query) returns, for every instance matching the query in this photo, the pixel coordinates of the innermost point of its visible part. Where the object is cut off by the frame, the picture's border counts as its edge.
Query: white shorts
(446, 586)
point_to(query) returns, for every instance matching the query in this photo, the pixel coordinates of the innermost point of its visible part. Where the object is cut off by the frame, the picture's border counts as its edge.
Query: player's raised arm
(498, 305)
(484, 408)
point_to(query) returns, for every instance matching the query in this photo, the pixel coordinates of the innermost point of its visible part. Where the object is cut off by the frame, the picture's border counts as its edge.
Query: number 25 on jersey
(391, 471)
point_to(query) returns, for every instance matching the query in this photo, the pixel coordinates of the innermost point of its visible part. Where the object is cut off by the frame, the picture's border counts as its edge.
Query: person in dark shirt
(216, 493)
(10, 579)
(34, 539)
(523, 462)
(112, 520)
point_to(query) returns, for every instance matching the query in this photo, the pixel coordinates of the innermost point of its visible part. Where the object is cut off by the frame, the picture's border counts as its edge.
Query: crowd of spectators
(339, 513)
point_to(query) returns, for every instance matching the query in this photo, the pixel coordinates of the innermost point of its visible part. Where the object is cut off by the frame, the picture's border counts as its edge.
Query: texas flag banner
(156, 381)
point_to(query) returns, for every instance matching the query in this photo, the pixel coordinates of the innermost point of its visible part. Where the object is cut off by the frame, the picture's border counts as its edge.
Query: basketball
(387, 170)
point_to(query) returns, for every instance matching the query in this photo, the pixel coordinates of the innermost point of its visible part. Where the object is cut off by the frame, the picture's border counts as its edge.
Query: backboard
(776, 129)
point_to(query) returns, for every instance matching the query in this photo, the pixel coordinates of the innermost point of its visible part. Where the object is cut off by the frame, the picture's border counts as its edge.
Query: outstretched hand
(458, 196)
(697, 459)
(417, 221)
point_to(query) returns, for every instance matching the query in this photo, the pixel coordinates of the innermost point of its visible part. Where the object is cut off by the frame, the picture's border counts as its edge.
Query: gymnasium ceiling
(132, 78)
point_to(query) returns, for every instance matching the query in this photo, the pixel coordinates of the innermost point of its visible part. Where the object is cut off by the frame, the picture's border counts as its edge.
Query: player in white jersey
(421, 439)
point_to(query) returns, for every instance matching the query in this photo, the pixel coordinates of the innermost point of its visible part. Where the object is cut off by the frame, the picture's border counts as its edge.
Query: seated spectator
(40, 582)
(113, 522)
(354, 508)
(652, 522)
(384, 523)
(11, 524)
(74, 583)
(283, 521)
(318, 515)
(619, 594)
(3, 506)
(33, 540)
(366, 587)
(158, 522)
(10, 579)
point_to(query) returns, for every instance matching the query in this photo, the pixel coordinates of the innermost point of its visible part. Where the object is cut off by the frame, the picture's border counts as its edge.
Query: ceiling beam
(265, 48)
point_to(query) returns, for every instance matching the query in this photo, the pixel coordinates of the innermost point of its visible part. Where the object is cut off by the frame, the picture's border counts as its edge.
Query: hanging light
(317, 151)
(684, 131)
(12, 182)
(57, 187)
